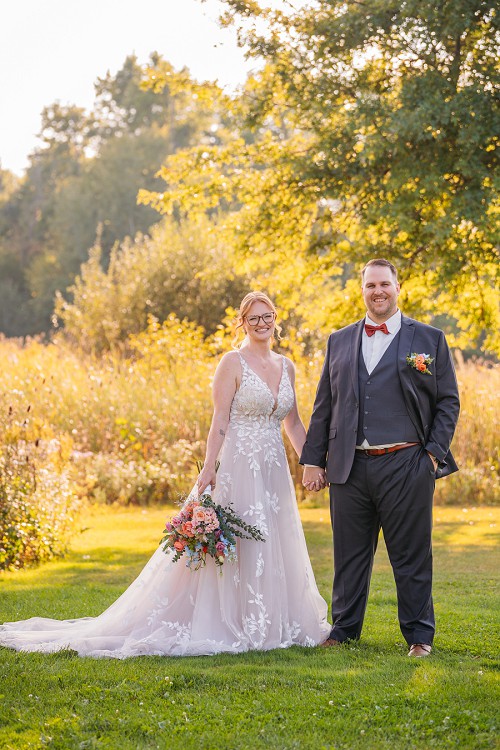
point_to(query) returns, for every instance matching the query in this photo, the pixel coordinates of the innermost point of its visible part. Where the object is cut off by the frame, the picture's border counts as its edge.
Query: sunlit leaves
(385, 110)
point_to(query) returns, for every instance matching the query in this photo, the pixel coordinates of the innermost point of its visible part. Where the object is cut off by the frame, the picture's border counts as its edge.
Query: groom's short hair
(380, 262)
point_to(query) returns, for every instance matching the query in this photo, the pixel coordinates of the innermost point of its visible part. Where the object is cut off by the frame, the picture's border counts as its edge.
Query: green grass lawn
(366, 695)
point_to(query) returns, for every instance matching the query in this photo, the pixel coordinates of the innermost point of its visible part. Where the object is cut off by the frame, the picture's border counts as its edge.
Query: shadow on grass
(98, 565)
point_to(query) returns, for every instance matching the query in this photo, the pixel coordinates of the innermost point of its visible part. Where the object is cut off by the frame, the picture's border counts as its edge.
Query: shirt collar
(393, 323)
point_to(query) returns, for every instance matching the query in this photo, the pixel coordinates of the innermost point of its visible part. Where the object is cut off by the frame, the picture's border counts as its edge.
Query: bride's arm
(293, 423)
(223, 390)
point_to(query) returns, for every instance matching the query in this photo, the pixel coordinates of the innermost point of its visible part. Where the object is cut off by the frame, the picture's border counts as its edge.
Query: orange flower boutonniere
(420, 362)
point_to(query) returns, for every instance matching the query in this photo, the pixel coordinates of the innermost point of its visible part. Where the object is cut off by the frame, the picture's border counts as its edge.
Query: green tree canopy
(84, 177)
(186, 269)
(374, 132)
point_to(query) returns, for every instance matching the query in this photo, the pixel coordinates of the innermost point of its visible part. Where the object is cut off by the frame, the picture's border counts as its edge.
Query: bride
(268, 597)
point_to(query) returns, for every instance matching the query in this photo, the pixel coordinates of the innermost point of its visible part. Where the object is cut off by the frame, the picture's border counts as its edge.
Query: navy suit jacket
(432, 400)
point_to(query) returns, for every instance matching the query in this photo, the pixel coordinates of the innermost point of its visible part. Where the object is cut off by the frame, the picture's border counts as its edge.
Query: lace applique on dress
(256, 417)
(257, 623)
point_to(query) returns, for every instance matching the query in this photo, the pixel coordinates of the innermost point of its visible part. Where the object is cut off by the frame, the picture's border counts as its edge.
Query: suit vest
(383, 416)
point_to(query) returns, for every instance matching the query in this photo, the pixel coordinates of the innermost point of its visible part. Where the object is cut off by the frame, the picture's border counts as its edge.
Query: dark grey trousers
(393, 491)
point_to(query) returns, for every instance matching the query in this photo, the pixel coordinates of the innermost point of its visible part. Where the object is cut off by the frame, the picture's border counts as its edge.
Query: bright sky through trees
(55, 50)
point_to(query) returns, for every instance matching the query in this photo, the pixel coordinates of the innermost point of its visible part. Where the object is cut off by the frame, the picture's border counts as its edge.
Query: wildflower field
(127, 427)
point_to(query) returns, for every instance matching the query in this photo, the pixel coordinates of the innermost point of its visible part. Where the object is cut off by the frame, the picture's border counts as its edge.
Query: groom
(384, 416)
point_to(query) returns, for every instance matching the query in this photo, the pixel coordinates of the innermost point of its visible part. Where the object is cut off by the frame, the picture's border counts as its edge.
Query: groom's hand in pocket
(314, 478)
(434, 461)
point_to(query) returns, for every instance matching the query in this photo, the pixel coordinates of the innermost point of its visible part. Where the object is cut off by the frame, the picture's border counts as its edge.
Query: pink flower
(176, 521)
(168, 526)
(211, 520)
(220, 547)
(198, 515)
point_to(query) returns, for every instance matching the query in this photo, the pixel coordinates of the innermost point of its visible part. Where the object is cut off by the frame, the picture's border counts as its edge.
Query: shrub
(110, 478)
(186, 268)
(37, 504)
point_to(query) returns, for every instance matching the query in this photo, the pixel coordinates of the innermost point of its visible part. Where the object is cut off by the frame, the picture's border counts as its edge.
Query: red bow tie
(370, 330)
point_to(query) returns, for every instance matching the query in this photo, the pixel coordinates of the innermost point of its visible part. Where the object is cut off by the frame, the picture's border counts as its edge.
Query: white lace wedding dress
(266, 599)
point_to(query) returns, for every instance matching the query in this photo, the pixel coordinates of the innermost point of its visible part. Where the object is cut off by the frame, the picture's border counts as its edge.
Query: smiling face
(263, 330)
(380, 293)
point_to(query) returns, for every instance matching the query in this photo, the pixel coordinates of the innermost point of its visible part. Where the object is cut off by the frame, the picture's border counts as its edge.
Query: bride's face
(259, 321)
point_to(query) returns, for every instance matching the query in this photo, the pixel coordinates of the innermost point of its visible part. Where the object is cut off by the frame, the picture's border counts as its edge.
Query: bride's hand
(314, 478)
(206, 478)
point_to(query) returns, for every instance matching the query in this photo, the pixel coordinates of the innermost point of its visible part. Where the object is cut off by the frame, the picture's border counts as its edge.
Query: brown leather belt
(383, 451)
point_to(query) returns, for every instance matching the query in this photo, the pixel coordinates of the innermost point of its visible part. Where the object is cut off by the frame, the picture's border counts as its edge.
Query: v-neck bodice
(254, 399)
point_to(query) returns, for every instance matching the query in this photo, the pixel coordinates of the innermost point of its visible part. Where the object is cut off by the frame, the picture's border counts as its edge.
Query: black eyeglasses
(267, 318)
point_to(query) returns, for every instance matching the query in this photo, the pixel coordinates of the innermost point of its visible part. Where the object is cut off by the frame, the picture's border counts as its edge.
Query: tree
(185, 269)
(375, 123)
(84, 179)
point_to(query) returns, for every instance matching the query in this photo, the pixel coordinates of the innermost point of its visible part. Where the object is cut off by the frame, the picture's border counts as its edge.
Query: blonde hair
(245, 305)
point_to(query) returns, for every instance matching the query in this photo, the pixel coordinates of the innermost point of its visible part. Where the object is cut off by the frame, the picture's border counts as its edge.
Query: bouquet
(203, 528)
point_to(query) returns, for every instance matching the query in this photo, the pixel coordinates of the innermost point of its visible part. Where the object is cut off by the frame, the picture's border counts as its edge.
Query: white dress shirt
(373, 349)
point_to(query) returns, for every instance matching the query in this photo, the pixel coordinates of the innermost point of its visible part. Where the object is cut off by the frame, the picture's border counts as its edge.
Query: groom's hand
(314, 478)
(434, 461)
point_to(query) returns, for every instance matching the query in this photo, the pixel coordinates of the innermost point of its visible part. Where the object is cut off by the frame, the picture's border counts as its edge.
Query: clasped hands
(314, 478)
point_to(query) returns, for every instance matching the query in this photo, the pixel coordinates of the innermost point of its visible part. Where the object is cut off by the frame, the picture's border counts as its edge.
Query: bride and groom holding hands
(384, 416)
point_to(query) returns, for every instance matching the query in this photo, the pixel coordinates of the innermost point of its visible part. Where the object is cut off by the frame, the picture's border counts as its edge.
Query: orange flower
(421, 366)
(179, 545)
(419, 359)
(187, 528)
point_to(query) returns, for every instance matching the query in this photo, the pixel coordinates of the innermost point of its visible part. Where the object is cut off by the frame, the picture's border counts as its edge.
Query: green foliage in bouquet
(205, 528)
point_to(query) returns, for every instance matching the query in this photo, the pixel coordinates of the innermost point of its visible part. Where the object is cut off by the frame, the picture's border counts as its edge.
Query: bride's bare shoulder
(229, 363)
(232, 357)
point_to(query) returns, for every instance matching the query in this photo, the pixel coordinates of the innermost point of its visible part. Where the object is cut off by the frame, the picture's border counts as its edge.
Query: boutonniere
(420, 362)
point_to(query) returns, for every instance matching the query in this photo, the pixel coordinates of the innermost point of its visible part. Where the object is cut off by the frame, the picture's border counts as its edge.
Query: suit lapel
(356, 334)
(409, 393)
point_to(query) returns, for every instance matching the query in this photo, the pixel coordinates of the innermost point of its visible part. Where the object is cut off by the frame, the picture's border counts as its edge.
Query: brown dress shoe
(330, 642)
(419, 650)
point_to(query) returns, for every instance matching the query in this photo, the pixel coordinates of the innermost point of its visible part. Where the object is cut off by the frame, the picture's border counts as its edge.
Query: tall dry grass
(476, 442)
(131, 428)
